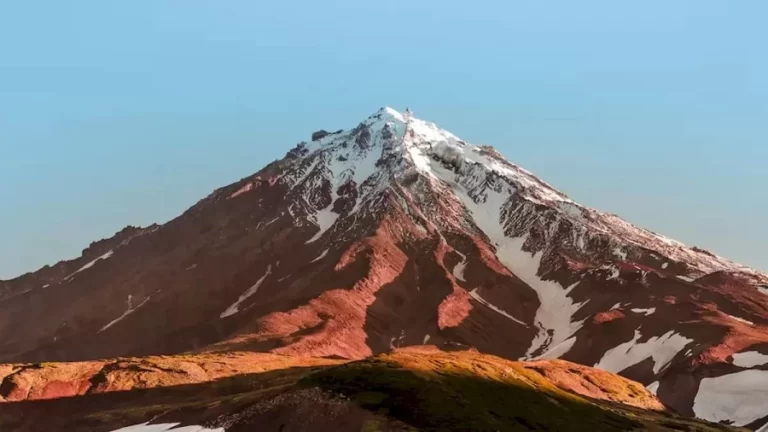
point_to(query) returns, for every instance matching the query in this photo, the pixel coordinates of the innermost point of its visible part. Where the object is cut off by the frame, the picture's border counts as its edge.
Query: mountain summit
(397, 233)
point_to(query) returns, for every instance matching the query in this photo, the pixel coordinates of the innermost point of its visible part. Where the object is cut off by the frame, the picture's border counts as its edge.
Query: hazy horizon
(127, 114)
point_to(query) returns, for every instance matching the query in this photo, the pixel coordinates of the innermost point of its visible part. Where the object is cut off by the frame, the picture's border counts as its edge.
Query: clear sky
(128, 112)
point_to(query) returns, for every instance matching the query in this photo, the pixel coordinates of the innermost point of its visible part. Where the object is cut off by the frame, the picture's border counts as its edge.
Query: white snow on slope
(554, 316)
(749, 359)
(620, 253)
(482, 301)
(558, 351)
(321, 256)
(163, 427)
(234, 308)
(128, 311)
(653, 387)
(421, 142)
(615, 272)
(426, 339)
(365, 166)
(90, 264)
(325, 219)
(647, 312)
(430, 141)
(763, 290)
(739, 397)
(458, 270)
(302, 175)
(342, 163)
(662, 349)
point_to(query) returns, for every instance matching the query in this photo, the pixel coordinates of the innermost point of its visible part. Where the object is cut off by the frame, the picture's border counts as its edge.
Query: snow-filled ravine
(554, 318)
(430, 148)
(131, 308)
(235, 307)
(474, 294)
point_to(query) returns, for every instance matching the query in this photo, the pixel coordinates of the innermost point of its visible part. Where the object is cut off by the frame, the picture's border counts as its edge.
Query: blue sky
(115, 113)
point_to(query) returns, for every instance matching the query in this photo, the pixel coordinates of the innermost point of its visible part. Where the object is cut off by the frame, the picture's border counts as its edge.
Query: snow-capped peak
(430, 148)
(390, 146)
(389, 114)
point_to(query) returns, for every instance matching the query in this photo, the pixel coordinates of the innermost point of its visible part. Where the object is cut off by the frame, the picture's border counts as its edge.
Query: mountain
(406, 390)
(397, 233)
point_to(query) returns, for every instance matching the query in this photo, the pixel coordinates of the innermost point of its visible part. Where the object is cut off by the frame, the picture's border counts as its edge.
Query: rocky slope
(407, 390)
(398, 233)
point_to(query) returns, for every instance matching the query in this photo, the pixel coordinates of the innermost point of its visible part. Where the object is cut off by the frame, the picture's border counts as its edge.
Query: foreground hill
(407, 390)
(398, 233)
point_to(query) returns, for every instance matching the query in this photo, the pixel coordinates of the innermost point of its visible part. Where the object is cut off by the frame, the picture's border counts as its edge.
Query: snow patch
(662, 349)
(686, 278)
(665, 265)
(574, 211)
(325, 219)
(737, 397)
(398, 339)
(128, 311)
(557, 309)
(321, 256)
(91, 264)
(647, 312)
(306, 173)
(234, 308)
(615, 273)
(653, 387)
(458, 270)
(558, 351)
(749, 359)
(426, 339)
(482, 301)
(420, 159)
(616, 306)
(620, 253)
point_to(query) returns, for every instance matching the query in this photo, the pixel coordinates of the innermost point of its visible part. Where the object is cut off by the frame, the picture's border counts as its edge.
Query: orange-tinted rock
(608, 316)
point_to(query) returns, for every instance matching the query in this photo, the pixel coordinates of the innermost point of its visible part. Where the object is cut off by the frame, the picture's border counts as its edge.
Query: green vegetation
(442, 393)
(414, 389)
